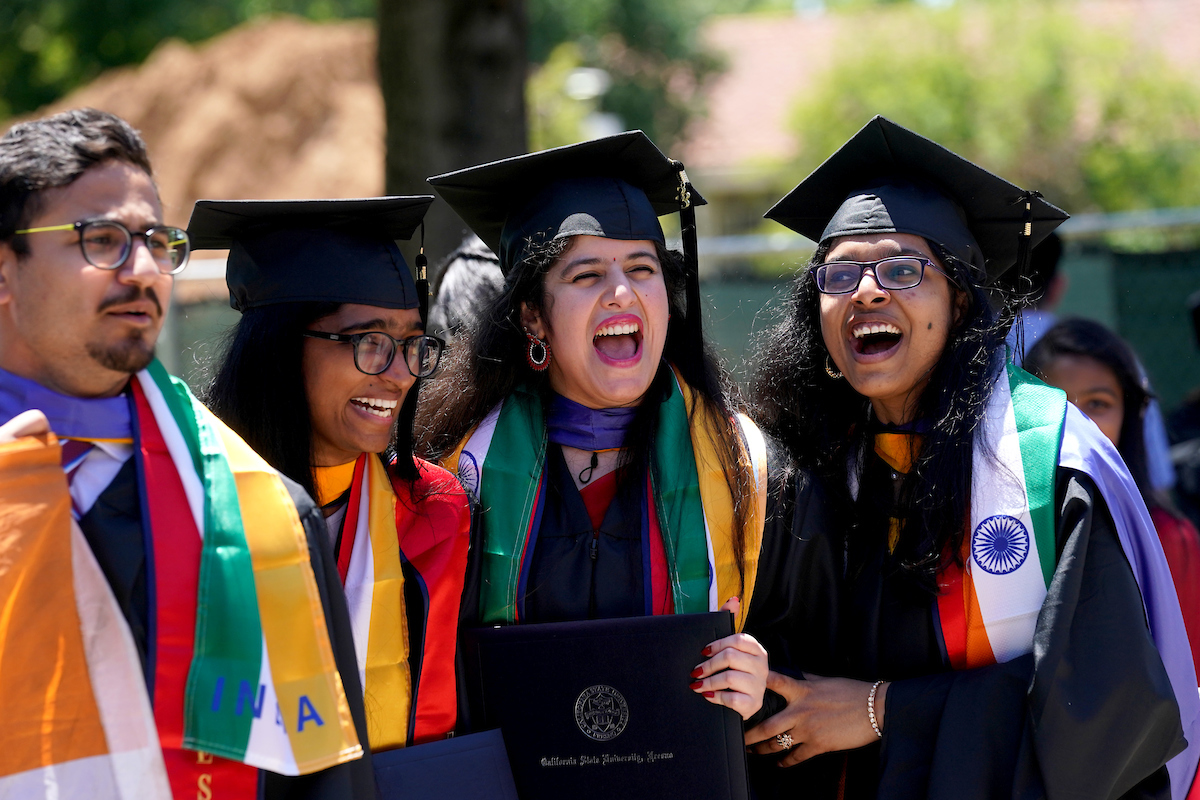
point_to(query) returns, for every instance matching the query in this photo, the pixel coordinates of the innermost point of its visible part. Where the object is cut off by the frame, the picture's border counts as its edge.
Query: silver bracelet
(871, 708)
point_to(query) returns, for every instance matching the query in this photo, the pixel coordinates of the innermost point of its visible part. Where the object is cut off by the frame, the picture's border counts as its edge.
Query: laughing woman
(586, 381)
(320, 376)
(1007, 622)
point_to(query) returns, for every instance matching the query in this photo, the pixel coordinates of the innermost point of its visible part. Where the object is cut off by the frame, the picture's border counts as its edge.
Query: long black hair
(824, 422)
(488, 364)
(1083, 337)
(258, 386)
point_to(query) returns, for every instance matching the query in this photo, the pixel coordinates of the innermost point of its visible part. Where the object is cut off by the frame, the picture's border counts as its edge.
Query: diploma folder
(602, 708)
(462, 768)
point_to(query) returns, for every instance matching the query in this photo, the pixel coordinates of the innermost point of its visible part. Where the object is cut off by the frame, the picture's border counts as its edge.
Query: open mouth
(619, 341)
(871, 338)
(375, 406)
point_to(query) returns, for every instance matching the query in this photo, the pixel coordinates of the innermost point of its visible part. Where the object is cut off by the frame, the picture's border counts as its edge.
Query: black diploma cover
(461, 768)
(602, 708)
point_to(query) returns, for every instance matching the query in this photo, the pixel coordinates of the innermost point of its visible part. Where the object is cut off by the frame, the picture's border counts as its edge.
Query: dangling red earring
(538, 353)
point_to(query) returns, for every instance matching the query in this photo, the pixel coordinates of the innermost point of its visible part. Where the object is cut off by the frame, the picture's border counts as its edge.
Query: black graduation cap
(286, 251)
(615, 187)
(888, 179)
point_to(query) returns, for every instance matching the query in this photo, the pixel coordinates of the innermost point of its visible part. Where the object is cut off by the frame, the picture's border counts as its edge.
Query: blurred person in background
(1185, 433)
(321, 375)
(1101, 376)
(1044, 289)
(467, 282)
(172, 622)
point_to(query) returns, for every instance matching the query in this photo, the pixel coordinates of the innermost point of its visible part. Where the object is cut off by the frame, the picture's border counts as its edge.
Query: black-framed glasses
(106, 243)
(374, 351)
(895, 272)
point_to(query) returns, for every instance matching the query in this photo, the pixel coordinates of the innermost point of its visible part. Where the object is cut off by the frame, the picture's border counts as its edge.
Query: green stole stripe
(680, 510)
(1040, 412)
(512, 472)
(229, 641)
(508, 488)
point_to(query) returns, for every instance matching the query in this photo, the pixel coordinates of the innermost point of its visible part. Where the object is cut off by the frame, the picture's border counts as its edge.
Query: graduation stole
(382, 535)
(988, 607)
(501, 464)
(241, 661)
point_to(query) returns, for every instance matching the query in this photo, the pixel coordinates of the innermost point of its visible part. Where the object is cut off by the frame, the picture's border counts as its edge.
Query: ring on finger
(785, 741)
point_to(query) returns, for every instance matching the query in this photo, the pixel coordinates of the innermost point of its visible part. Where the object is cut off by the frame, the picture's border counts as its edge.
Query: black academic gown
(1089, 714)
(793, 612)
(578, 572)
(113, 529)
(792, 607)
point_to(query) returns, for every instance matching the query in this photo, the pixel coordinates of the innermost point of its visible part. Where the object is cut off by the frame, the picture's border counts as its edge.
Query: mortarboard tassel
(422, 265)
(1023, 278)
(691, 261)
(405, 466)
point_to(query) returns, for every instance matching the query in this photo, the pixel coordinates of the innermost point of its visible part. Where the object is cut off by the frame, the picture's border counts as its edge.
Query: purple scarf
(70, 417)
(573, 425)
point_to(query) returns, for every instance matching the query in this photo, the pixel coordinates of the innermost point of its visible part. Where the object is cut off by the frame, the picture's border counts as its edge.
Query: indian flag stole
(988, 608)
(245, 670)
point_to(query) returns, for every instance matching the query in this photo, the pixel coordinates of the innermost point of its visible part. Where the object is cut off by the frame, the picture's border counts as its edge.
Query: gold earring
(830, 371)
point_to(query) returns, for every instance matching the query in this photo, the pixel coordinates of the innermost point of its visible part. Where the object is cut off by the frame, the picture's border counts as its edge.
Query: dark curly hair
(54, 151)
(488, 363)
(823, 422)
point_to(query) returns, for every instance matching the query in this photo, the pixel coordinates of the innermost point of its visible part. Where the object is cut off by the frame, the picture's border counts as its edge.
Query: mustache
(131, 294)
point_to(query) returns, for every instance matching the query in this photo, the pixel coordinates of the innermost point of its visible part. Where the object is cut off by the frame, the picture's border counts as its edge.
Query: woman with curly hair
(587, 415)
(1005, 611)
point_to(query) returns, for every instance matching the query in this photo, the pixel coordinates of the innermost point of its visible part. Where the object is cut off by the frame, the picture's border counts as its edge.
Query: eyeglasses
(375, 350)
(106, 243)
(897, 272)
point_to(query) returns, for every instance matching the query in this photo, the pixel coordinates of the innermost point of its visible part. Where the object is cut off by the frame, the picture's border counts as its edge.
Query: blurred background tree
(1089, 118)
(453, 75)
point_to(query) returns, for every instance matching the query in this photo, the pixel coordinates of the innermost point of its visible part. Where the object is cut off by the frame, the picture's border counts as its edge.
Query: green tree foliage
(1027, 89)
(48, 47)
(650, 48)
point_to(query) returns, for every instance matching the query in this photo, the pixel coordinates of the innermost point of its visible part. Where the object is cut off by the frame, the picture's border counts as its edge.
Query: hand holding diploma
(735, 675)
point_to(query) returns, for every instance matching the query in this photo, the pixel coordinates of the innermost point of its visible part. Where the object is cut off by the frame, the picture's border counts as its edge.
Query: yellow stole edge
(388, 685)
(292, 617)
(717, 501)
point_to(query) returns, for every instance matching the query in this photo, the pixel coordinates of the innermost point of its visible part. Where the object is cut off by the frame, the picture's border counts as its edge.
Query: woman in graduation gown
(1007, 624)
(321, 376)
(588, 418)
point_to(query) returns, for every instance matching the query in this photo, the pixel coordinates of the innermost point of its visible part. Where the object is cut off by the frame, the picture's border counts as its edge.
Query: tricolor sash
(394, 533)
(989, 608)
(501, 463)
(242, 665)
(58, 646)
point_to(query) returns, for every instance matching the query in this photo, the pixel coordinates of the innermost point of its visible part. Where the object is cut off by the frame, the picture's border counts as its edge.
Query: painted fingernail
(710, 694)
(695, 684)
(707, 651)
(697, 672)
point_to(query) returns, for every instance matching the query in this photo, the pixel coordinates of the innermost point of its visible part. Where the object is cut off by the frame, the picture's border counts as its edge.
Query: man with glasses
(169, 627)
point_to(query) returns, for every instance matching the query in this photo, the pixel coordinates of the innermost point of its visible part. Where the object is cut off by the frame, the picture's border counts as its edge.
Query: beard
(135, 352)
(130, 355)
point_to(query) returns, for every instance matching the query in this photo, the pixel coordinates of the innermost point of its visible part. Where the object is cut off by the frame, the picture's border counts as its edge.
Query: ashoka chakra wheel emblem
(1000, 544)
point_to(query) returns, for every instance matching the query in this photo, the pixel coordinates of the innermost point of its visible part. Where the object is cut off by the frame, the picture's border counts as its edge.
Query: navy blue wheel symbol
(1000, 544)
